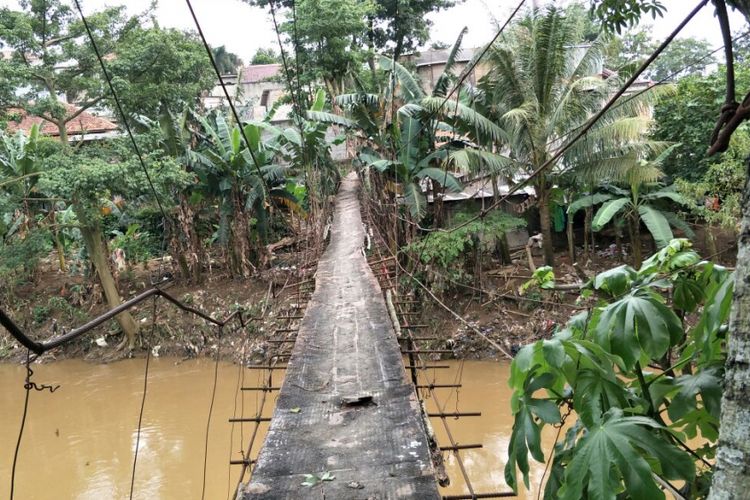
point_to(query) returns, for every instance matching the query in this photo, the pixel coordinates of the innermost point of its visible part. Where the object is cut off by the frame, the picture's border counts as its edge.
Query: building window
(264, 98)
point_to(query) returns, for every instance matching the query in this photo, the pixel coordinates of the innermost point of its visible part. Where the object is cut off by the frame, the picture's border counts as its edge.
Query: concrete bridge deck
(358, 415)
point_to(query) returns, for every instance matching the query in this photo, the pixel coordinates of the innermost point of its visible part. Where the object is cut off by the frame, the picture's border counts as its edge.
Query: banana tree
(644, 200)
(413, 165)
(227, 171)
(176, 140)
(427, 139)
(20, 167)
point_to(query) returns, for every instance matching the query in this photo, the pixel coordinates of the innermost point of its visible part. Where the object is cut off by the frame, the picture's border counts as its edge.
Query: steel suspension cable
(28, 385)
(211, 411)
(143, 400)
(661, 81)
(287, 76)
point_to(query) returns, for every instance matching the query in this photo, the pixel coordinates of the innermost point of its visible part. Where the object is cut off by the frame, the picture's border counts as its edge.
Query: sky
(244, 29)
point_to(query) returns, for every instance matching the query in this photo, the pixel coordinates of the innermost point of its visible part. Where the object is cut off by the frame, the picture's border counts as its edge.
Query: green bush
(19, 258)
(138, 246)
(448, 250)
(444, 249)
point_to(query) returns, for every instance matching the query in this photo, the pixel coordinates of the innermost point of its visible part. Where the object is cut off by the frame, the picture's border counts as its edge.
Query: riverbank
(58, 302)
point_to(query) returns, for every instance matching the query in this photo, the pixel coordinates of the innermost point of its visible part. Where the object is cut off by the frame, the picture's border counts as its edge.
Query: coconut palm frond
(358, 98)
(478, 160)
(442, 177)
(469, 118)
(444, 80)
(641, 173)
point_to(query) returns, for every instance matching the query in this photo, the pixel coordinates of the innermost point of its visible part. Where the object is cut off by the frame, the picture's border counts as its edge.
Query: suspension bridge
(346, 405)
(350, 413)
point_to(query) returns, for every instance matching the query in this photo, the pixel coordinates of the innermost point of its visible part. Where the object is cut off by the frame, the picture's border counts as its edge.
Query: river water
(79, 441)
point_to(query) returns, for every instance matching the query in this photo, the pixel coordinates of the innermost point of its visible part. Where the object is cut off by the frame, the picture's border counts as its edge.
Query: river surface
(79, 442)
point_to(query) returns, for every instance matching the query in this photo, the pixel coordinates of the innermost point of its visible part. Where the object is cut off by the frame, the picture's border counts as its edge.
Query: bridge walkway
(346, 405)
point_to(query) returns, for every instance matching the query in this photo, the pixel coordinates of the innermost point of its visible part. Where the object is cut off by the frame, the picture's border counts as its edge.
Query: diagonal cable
(226, 94)
(589, 124)
(118, 104)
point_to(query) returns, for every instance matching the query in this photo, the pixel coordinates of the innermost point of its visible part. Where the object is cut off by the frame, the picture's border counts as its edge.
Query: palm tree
(542, 86)
(427, 139)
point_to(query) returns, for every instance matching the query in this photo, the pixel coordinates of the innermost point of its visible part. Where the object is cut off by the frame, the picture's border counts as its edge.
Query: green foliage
(614, 15)
(327, 36)
(265, 56)
(95, 176)
(688, 118)
(20, 256)
(158, 68)
(723, 182)
(597, 370)
(682, 57)
(138, 246)
(229, 62)
(448, 250)
(53, 56)
(421, 154)
(402, 26)
(540, 91)
(543, 278)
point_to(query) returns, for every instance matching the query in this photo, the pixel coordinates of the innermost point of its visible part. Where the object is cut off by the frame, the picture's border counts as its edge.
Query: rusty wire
(211, 409)
(415, 360)
(143, 399)
(28, 385)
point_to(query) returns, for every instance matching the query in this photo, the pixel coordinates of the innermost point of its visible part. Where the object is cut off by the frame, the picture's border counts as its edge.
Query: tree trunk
(732, 470)
(239, 242)
(58, 242)
(545, 220)
(93, 239)
(63, 131)
(634, 226)
(710, 242)
(371, 46)
(186, 246)
(571, 240)
(495, 191)
(503, 249)
(588, 234)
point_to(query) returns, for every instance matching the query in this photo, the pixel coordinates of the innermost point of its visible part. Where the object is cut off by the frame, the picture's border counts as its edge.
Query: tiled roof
(85, 123)
(259, 72)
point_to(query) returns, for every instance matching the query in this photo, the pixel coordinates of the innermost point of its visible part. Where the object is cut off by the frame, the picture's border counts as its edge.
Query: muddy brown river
(79, 441)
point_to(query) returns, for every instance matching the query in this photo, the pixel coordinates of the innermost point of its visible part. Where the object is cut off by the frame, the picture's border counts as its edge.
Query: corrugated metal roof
(431, 57)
